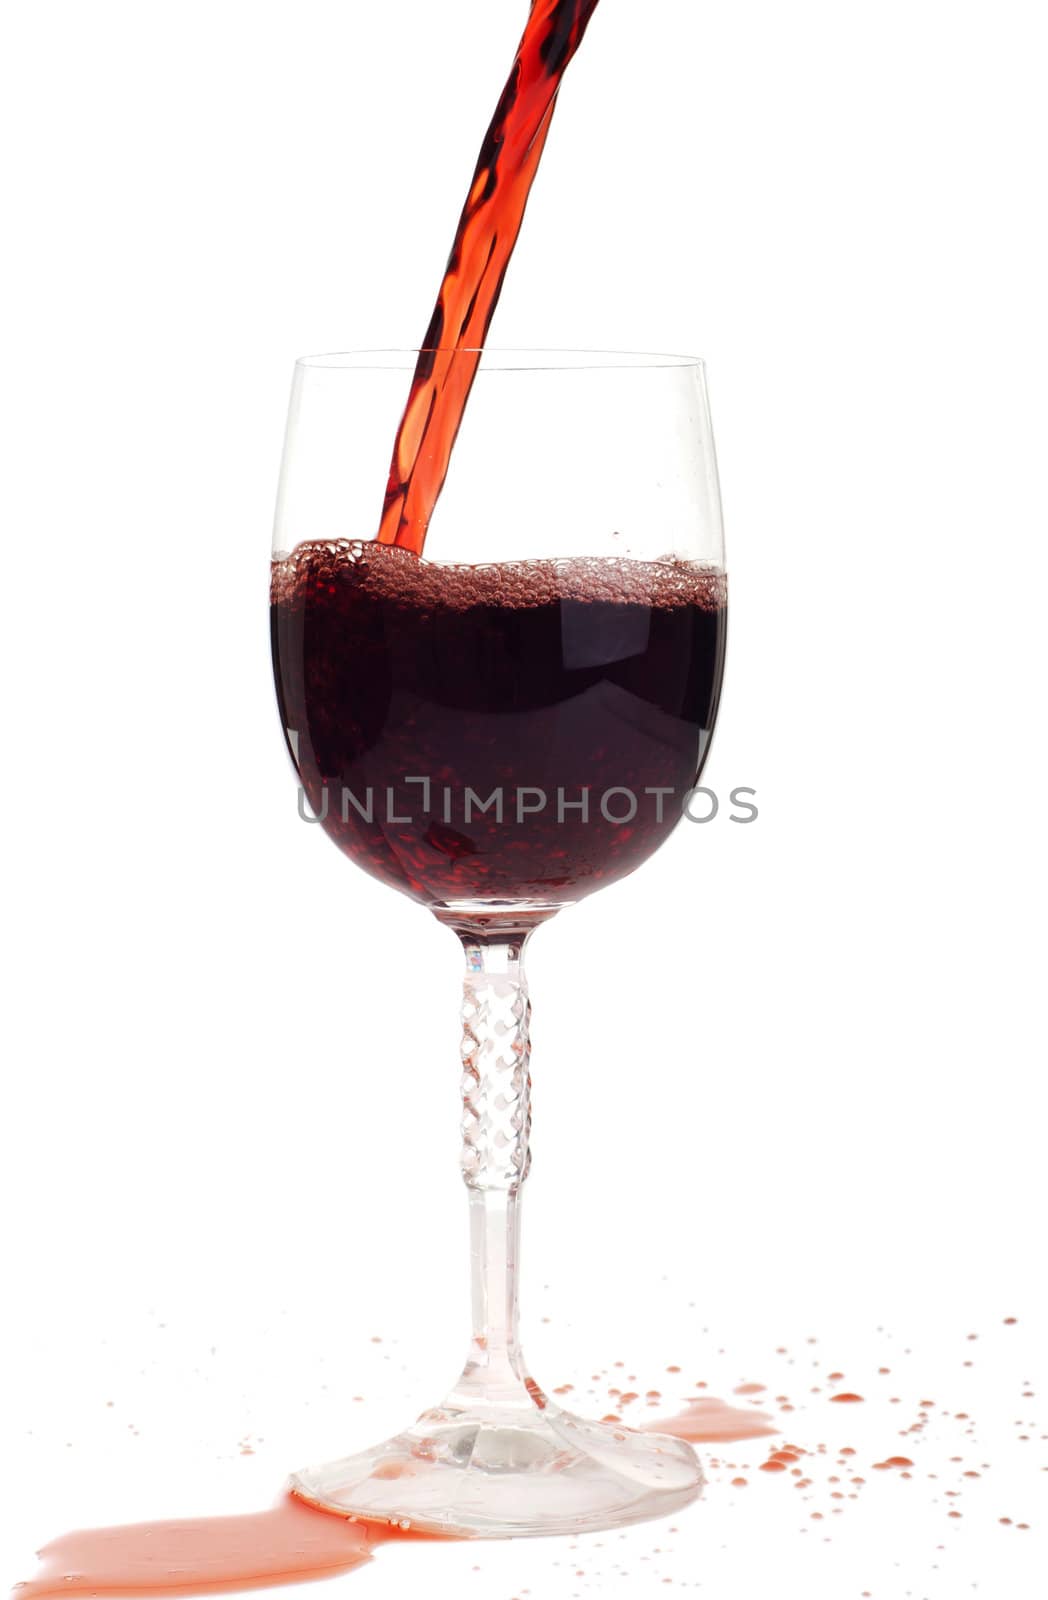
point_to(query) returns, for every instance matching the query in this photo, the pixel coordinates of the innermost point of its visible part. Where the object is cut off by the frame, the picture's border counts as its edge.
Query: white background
(789, 1079)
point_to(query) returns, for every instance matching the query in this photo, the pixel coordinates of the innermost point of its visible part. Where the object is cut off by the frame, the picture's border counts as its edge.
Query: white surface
(229, 1128)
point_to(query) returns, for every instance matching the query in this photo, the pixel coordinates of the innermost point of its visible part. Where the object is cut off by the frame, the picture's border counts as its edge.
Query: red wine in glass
(523, 733)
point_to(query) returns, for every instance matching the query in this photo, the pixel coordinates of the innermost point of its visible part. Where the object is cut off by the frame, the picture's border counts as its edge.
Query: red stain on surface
(709, 1421)
(291, 1543)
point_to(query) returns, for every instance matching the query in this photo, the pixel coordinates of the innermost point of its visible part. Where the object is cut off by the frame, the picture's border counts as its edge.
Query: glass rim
(500, 359)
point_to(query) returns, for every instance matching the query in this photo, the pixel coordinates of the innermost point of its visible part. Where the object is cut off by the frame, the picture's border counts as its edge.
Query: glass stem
(496, 1124)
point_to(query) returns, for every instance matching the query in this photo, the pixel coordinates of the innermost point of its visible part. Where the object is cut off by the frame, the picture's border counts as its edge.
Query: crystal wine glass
(497, 729)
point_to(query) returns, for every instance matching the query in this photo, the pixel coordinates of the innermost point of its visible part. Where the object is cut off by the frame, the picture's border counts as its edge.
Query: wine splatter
(944, 1476)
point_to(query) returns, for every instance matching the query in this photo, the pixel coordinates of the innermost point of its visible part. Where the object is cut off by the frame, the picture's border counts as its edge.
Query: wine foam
(393, 575)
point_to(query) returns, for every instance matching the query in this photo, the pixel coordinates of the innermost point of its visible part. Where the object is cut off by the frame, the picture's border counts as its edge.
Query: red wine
(291, 1543)
(523, 732)
(487, 233)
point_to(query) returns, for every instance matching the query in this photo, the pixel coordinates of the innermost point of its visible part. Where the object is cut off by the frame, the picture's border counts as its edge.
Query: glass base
(508, 1468)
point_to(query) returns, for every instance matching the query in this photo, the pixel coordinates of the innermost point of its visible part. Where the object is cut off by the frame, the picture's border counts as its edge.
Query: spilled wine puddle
(710, 1421)
(291, 1543)
(894, 1431)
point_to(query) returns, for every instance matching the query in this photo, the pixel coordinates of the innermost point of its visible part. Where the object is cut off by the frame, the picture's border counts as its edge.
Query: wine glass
(498, 729)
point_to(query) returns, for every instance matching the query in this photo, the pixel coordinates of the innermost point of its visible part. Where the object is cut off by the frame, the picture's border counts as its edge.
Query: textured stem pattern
(496, 1081)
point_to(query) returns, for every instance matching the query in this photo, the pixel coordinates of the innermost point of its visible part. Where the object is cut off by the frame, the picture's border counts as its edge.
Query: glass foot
(508, 1469)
